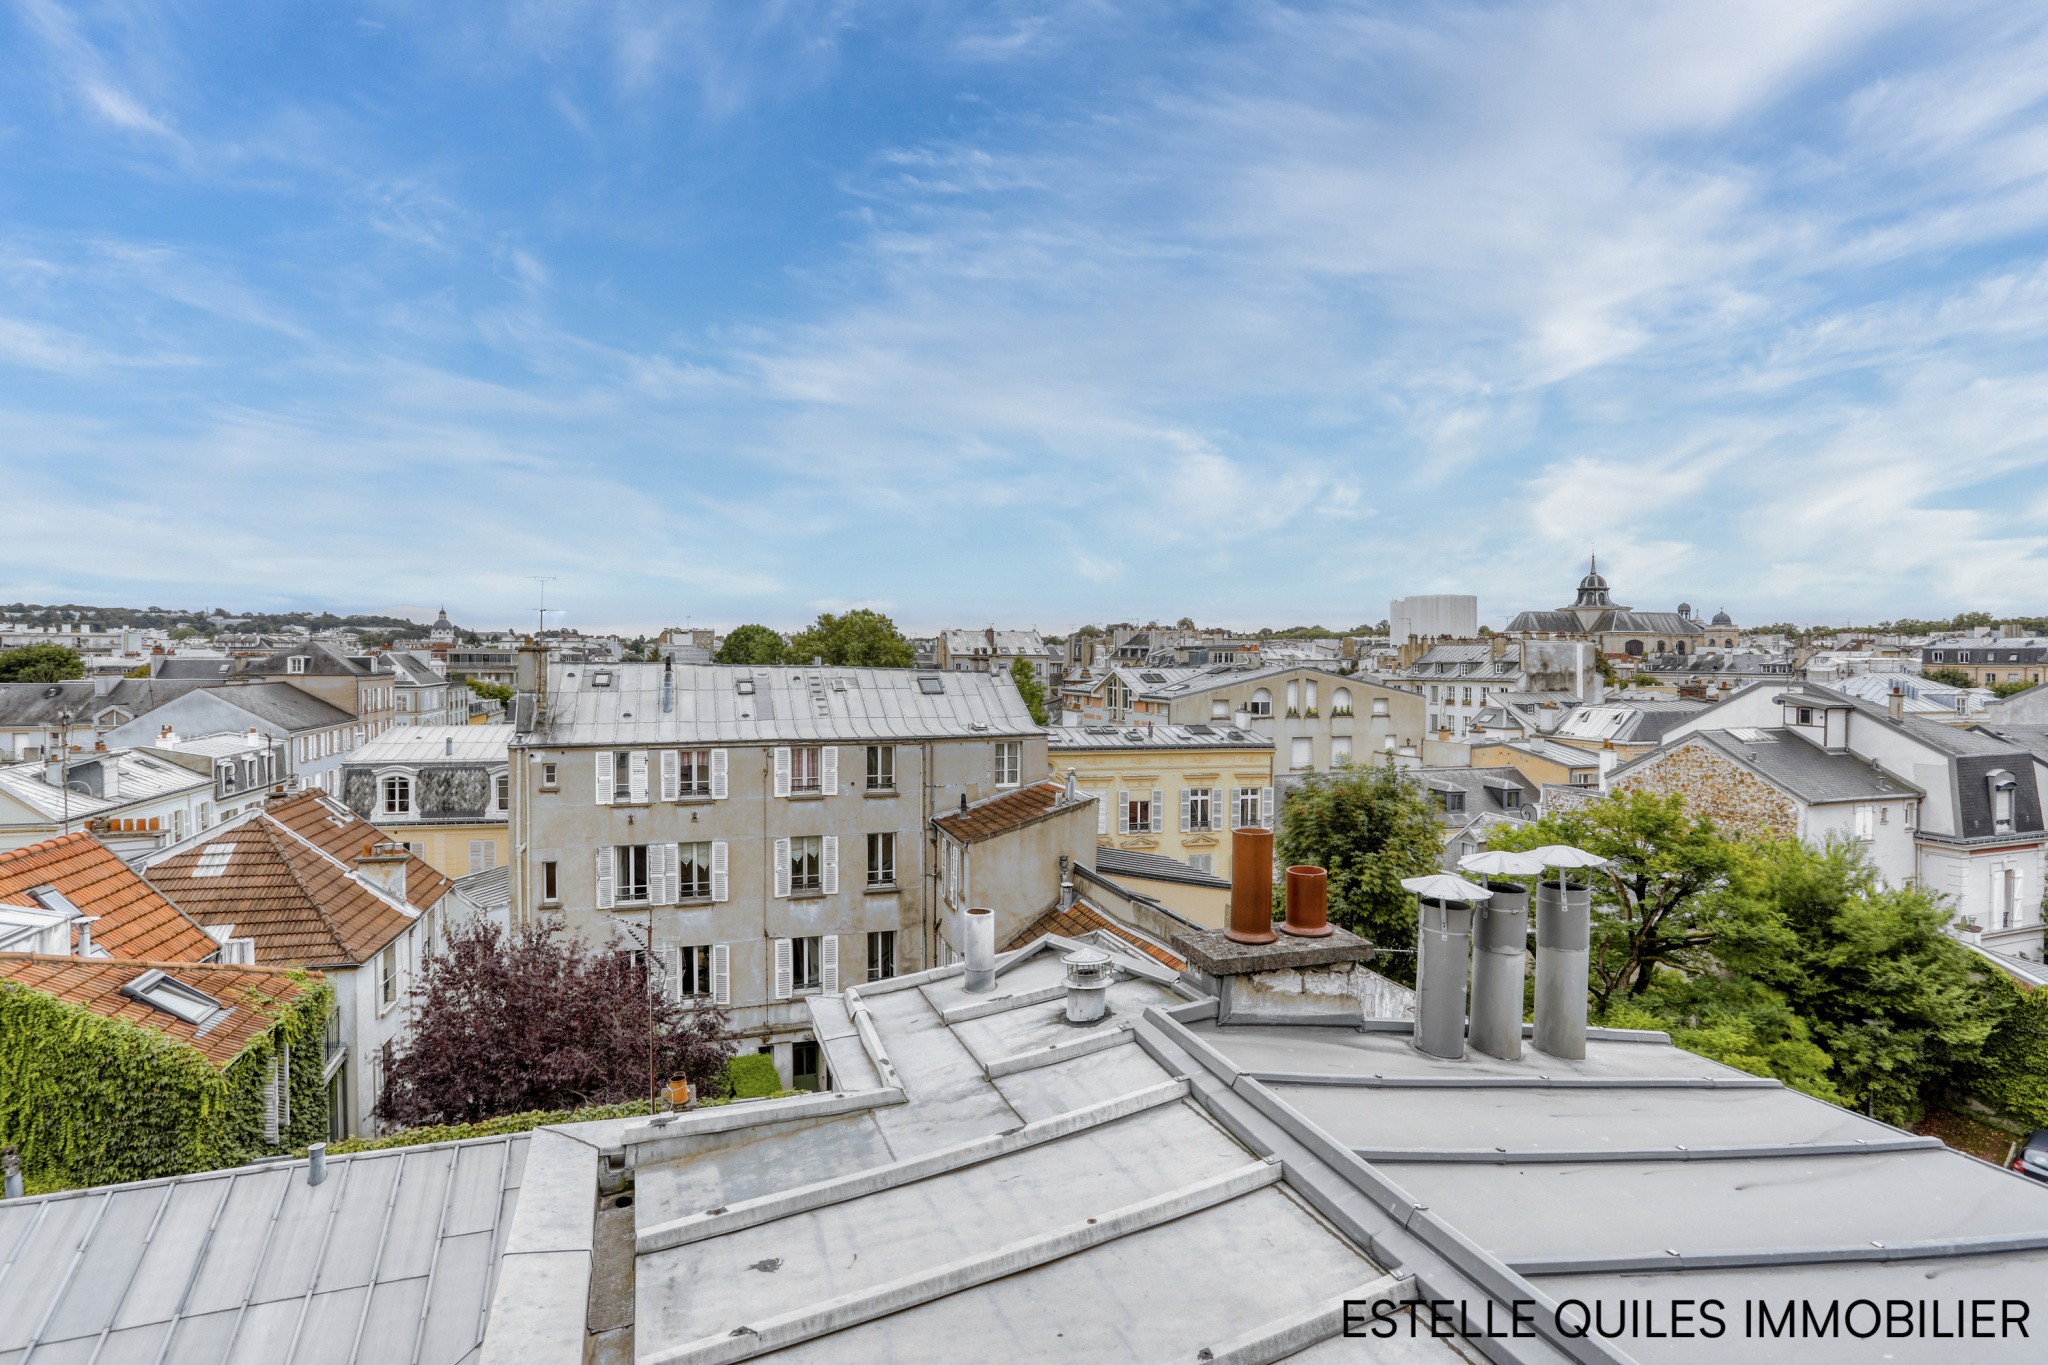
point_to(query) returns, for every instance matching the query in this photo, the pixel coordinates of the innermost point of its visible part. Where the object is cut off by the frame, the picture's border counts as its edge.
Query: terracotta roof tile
(1084, 919)
(252, 995)
(291, 884)
(135, 921)
(1001, 814)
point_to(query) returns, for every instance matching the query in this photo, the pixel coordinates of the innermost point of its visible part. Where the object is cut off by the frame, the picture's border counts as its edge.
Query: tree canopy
(1368, 827)
(1949, 677)
(1029, 688)
(40, 663)
(751, 644)
(858, 639)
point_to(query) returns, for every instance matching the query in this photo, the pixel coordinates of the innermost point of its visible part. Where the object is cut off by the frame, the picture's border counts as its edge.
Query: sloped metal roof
(427, 744)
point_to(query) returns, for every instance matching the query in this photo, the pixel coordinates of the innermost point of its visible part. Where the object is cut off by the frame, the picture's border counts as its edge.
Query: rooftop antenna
(544, 580)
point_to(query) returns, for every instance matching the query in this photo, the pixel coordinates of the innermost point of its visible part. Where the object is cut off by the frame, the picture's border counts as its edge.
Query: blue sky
(1026, 313)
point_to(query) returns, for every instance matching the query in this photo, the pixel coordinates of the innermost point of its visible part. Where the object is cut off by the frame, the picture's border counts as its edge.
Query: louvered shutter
(270, 1132)
(1123, 812)
(782, 771)
(1219, 808)
(672, 972)
(718, 878)
(284, 1088)
(718, 788)
(604, 877)
(782, 867)
(1185, 814)
(1102, 813)
(1265, 807)
(966, 877)
(828, 769)
(604, 777)
(828, 963)
(662, 878)
(828, 870)
(782, 970)
(721, 974)
(1158, 810)
(671, 775)
(636, 776)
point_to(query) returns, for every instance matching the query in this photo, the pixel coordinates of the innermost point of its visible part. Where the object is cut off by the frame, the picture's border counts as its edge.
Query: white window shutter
(1102, 813)
(270, 1133)
(1123, 812)
(782, 771)
(828, 963)
(721, 974)
(604, 777)
(672, 973)
(604, 877)
(636, 775)
(1219, 808)
(828, 860)
(1185, 814)
(783, 989)
(662, 875)
(671, 775)
(1158, 811)
(966, 877)
(782, 867)
(718, 877)
(1265, 807)
(718, 787)
(828, 769)
(284, 1088)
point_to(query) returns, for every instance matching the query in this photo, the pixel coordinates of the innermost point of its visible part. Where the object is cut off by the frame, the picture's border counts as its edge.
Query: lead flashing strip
(651, 1141)
(1000, 1004)
(1943, 1248)
(1283, 1337)
(850, 1310)
(1502, 1157)
(1100, 1040)
(1516, 1082)
(820, 1194)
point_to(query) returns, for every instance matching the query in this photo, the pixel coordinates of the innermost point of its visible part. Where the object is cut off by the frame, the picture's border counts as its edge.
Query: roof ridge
(291, 869)
(400, 903)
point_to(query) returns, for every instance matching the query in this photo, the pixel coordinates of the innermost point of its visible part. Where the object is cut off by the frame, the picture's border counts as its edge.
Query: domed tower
(1722, 618)
(1594, 600)
(1685, 610)
(443, 632)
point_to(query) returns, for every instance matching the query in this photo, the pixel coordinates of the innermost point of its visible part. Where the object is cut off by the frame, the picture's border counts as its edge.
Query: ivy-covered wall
(93, 1100)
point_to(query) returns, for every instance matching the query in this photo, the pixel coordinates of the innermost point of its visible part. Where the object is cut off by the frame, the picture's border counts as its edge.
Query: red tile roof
(291, 884)
(253, 995)
(1084, 919)
(135, 921)
(1001, 814)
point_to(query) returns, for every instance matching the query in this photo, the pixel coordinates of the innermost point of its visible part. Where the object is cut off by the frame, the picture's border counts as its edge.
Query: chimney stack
(1308, 903)
(1564, 936)
(1499, 966)
(384, 864)
(980, 931)
(1898, 702)
(1251, 887)
(1444, 948)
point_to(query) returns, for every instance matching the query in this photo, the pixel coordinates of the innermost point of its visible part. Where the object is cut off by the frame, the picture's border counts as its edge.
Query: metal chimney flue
(1251, 887)
(316, 1163)
(1444, 945)
(1089, 974)
(1499, 966)
(1564, 936)
(980, 933)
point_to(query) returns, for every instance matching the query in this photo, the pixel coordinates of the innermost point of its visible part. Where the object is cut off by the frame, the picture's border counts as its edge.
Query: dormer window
(2003, 788)
(173, 997)
(398, 795)
(1805, 715)
(295, 664)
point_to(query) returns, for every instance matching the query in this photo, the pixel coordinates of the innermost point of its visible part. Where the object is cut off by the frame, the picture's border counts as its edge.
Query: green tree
(756, 645)
(1605, 668)
(1661, 899)
(2010, 689)
(1029, 688)
(1949, 677)
(859, 639)
(40, 663)
(490, 691)
(1369, 827)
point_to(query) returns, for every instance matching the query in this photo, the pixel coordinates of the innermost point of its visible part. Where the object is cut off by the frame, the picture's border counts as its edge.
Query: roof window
(931, 686)
(167, 993)
(213, 860)
(745, 687)
(601, 678)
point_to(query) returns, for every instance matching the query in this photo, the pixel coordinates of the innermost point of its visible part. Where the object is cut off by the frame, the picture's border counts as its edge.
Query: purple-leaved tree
(533, 1019)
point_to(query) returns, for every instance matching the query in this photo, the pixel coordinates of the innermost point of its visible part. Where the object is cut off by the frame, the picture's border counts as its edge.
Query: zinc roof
(141, 777)
(250, 995)
(135, 920)
(1059, 738)
(423, 744)
(392, 1258)
(785, 705)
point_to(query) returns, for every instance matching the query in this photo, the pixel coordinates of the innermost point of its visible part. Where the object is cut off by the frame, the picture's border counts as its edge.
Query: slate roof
(283, 705)
(995, 815)
(292, 886)
(1480, 785)
(135, 920)
(490, 889)
(785, 706)
(392, 1258)
(1081, 921)
(24, 704)
(322, 660)
(1641, 721)
(201, 669)
(1803, 768)
(1064, 738)
(251, 995)
(1125, 862)
(2032, 738)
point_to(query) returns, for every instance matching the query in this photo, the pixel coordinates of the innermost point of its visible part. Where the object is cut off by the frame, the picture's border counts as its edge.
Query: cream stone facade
(1172, 790)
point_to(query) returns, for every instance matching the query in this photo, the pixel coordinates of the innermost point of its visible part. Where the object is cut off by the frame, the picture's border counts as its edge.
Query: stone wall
(1717, 789)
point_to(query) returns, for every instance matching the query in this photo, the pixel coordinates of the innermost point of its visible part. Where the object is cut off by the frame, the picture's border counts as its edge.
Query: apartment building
(444, 790)
(134, 802)
(313, 733)
(766, 832)
(1458, 681)
(1175, 791)
(992, 651)
(2004, 659)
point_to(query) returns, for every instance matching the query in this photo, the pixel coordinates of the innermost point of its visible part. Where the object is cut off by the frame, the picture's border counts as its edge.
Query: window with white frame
(881, 767)
(692, 967)
(804, 769)
(1137, 812)
(502, 791)
(1340, 750)
(1009, 762)
(806, 863)
(397, 794)
(1261, 704)
(694, 882)
(2003, 791)
(881, 955)
(1293, 697)
(1253, 806)
(550, 777)
(694, 772)
(806, 962)
(882, 859)
(1197, 808)
(387, 976)
(629, 873)
(1340, 702)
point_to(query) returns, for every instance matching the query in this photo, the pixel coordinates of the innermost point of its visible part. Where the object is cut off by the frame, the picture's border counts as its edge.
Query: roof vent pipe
(1073, 790)
(1089, 974)
(1564, 935)
(1499, 965)
(1251, 887)
(1066, 894)
(1444, 947)
(668, 685)
(11, 1159)
(316, 1163)
(1308, 902)
(448, 746)
(980, 932)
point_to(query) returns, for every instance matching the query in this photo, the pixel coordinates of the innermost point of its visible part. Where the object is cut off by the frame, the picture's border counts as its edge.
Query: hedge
(96, 1101)
(751, 1076)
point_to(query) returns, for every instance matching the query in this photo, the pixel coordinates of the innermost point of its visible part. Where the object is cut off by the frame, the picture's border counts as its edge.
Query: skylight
(931, 687)
(173, 996)
(213, 860)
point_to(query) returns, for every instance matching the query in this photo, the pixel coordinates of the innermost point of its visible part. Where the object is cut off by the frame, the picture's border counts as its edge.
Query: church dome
(1685, 610)
(1593, 588)
(1722, 618)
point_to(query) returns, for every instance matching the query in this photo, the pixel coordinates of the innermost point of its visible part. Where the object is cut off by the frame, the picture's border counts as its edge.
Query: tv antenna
(544, 580)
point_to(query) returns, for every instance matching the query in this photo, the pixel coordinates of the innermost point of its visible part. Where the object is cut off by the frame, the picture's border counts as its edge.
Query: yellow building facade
(1171, 790)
